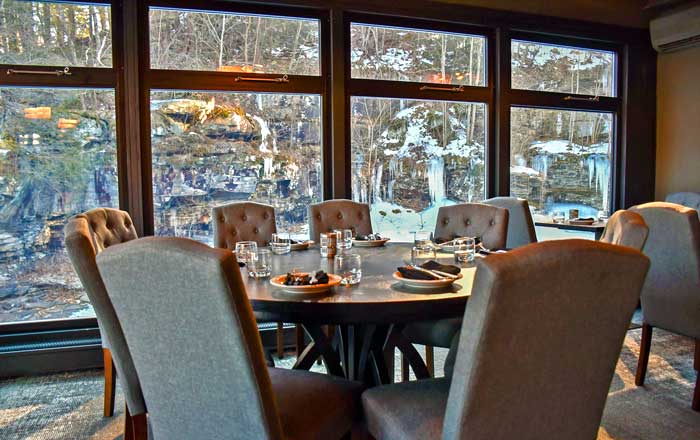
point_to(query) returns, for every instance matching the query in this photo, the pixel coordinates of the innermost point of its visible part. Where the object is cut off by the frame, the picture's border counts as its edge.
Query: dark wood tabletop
(377, 299)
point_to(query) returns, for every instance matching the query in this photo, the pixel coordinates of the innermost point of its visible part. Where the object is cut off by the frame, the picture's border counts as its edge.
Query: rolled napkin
(415, 273)
(447, 268)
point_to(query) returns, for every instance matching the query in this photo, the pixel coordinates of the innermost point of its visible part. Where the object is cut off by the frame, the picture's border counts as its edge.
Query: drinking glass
(349, 267)
(243, 248)
(602, 216)
(423, 239)
(281, 243)
(344, 238)
(259, 263)
(465, 249)
(559, 217)
(328, 243)
(420, 255)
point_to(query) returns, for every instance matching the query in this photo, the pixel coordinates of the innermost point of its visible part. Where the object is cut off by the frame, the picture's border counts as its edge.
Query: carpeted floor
(69, 406)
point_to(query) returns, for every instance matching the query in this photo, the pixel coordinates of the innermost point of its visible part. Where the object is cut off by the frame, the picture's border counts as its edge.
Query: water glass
(420, 255)
(465, 249)
(259, 263)
(243, 248)
(344, 238)
(349, 267)
(423, 239)
(281, 243)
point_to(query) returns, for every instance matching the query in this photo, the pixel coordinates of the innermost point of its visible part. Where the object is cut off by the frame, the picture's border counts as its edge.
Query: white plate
(425, 284)
(302, 246)
(278, 281)
(369, 243)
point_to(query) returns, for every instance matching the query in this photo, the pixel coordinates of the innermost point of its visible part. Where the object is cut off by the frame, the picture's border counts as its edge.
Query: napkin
(447, 268)
(413, 274)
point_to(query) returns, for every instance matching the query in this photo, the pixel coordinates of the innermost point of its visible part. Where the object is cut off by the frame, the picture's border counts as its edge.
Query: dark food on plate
(440, 240)
(369, 237)
(305, 279)
(447, 268)
(415, 274)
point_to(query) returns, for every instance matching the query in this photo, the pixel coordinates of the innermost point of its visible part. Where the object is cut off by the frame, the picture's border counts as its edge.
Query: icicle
(377, 184)
(436, 179)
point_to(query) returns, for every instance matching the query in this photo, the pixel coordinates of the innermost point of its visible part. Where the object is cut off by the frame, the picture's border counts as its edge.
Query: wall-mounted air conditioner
(677, 29)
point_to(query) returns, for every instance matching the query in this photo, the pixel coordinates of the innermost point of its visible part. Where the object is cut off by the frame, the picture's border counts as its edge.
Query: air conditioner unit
(677, 29)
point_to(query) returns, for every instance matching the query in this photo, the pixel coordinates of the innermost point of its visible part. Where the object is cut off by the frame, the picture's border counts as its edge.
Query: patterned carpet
(69, 406)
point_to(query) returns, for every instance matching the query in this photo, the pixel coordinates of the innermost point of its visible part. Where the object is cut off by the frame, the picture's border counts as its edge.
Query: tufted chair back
(671, 293)
(689, 199)
(626, 228)
(86, 235)
(521, 228)
(243, 221)
(474, 220)
(339, 214)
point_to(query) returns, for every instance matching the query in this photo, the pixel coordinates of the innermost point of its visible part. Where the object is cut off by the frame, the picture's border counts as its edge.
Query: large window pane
(561, 160)
(214, 148)
(186, 40)
(399, 54)
(57, 158)
(410, 157)
(55, 34)
(545, 67)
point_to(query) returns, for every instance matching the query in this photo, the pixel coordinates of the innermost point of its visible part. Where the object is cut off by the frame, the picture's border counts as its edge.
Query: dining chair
(190, 330)
(541, 336)
(671, 294)
(86, 235)
(626, 228)
(689, 199)
(521, 227)
(249, 221)
(339, 214)
(489, 223)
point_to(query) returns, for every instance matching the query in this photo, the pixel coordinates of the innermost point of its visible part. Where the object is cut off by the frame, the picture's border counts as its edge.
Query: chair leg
(280, 340)
(405, 374)
(696, 361)
(644, 348)
(430, 359)
(299, 339)
(140, 426)
(110, 382)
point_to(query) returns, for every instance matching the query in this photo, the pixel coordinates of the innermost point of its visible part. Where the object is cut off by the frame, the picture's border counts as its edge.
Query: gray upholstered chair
(243, 221)
(191, 331)
(671, 294)
(490, 223)
(626, 228)
(86, 235)
(249, 221)
(521, 227)
(541, 336)
(689, 199)
(339, 214)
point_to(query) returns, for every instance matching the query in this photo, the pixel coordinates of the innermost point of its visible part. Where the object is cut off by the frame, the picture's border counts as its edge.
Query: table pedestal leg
(321, 347)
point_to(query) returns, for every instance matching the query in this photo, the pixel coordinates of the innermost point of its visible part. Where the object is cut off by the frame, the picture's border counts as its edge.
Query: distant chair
(190, 328)
(339, 214)
(626, 228)
(249, 221)
(490, 223)
(86, 235)
(689, 199)
(539, 343)
(671, 294)
(521, 227)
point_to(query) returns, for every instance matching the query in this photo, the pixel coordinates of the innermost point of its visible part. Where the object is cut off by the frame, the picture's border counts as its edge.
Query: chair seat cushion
(408, 410)
(315, 406)
(437, 333)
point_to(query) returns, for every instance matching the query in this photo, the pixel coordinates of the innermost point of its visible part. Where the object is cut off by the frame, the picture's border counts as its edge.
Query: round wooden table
(369, 316)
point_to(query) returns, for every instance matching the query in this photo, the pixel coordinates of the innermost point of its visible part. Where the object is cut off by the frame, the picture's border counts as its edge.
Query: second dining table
(367, 318)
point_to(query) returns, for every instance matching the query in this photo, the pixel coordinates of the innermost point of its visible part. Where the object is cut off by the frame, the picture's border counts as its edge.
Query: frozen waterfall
(436, 179)
(599, 170)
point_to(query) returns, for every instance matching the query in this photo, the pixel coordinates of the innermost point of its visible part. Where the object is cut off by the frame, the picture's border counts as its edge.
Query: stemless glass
(465, 249)
(243, 249)
(344, 238)
(259, 263)
(420, 255)
(281, 243)
(423, 239)
(349, 267)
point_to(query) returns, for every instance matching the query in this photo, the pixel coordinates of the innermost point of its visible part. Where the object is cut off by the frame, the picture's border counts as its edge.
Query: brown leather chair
(671, 293)
(339, 214)
(490, 223)
(626, 228)
(243, 221)
(86, 235)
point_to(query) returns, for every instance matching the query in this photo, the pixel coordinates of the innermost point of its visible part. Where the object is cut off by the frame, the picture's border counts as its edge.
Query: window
(561, 160)
(416, 147)
(58, 149)
(233, 43)
(213, 148)
(252, 137)
(410, 157)
(551, 68)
